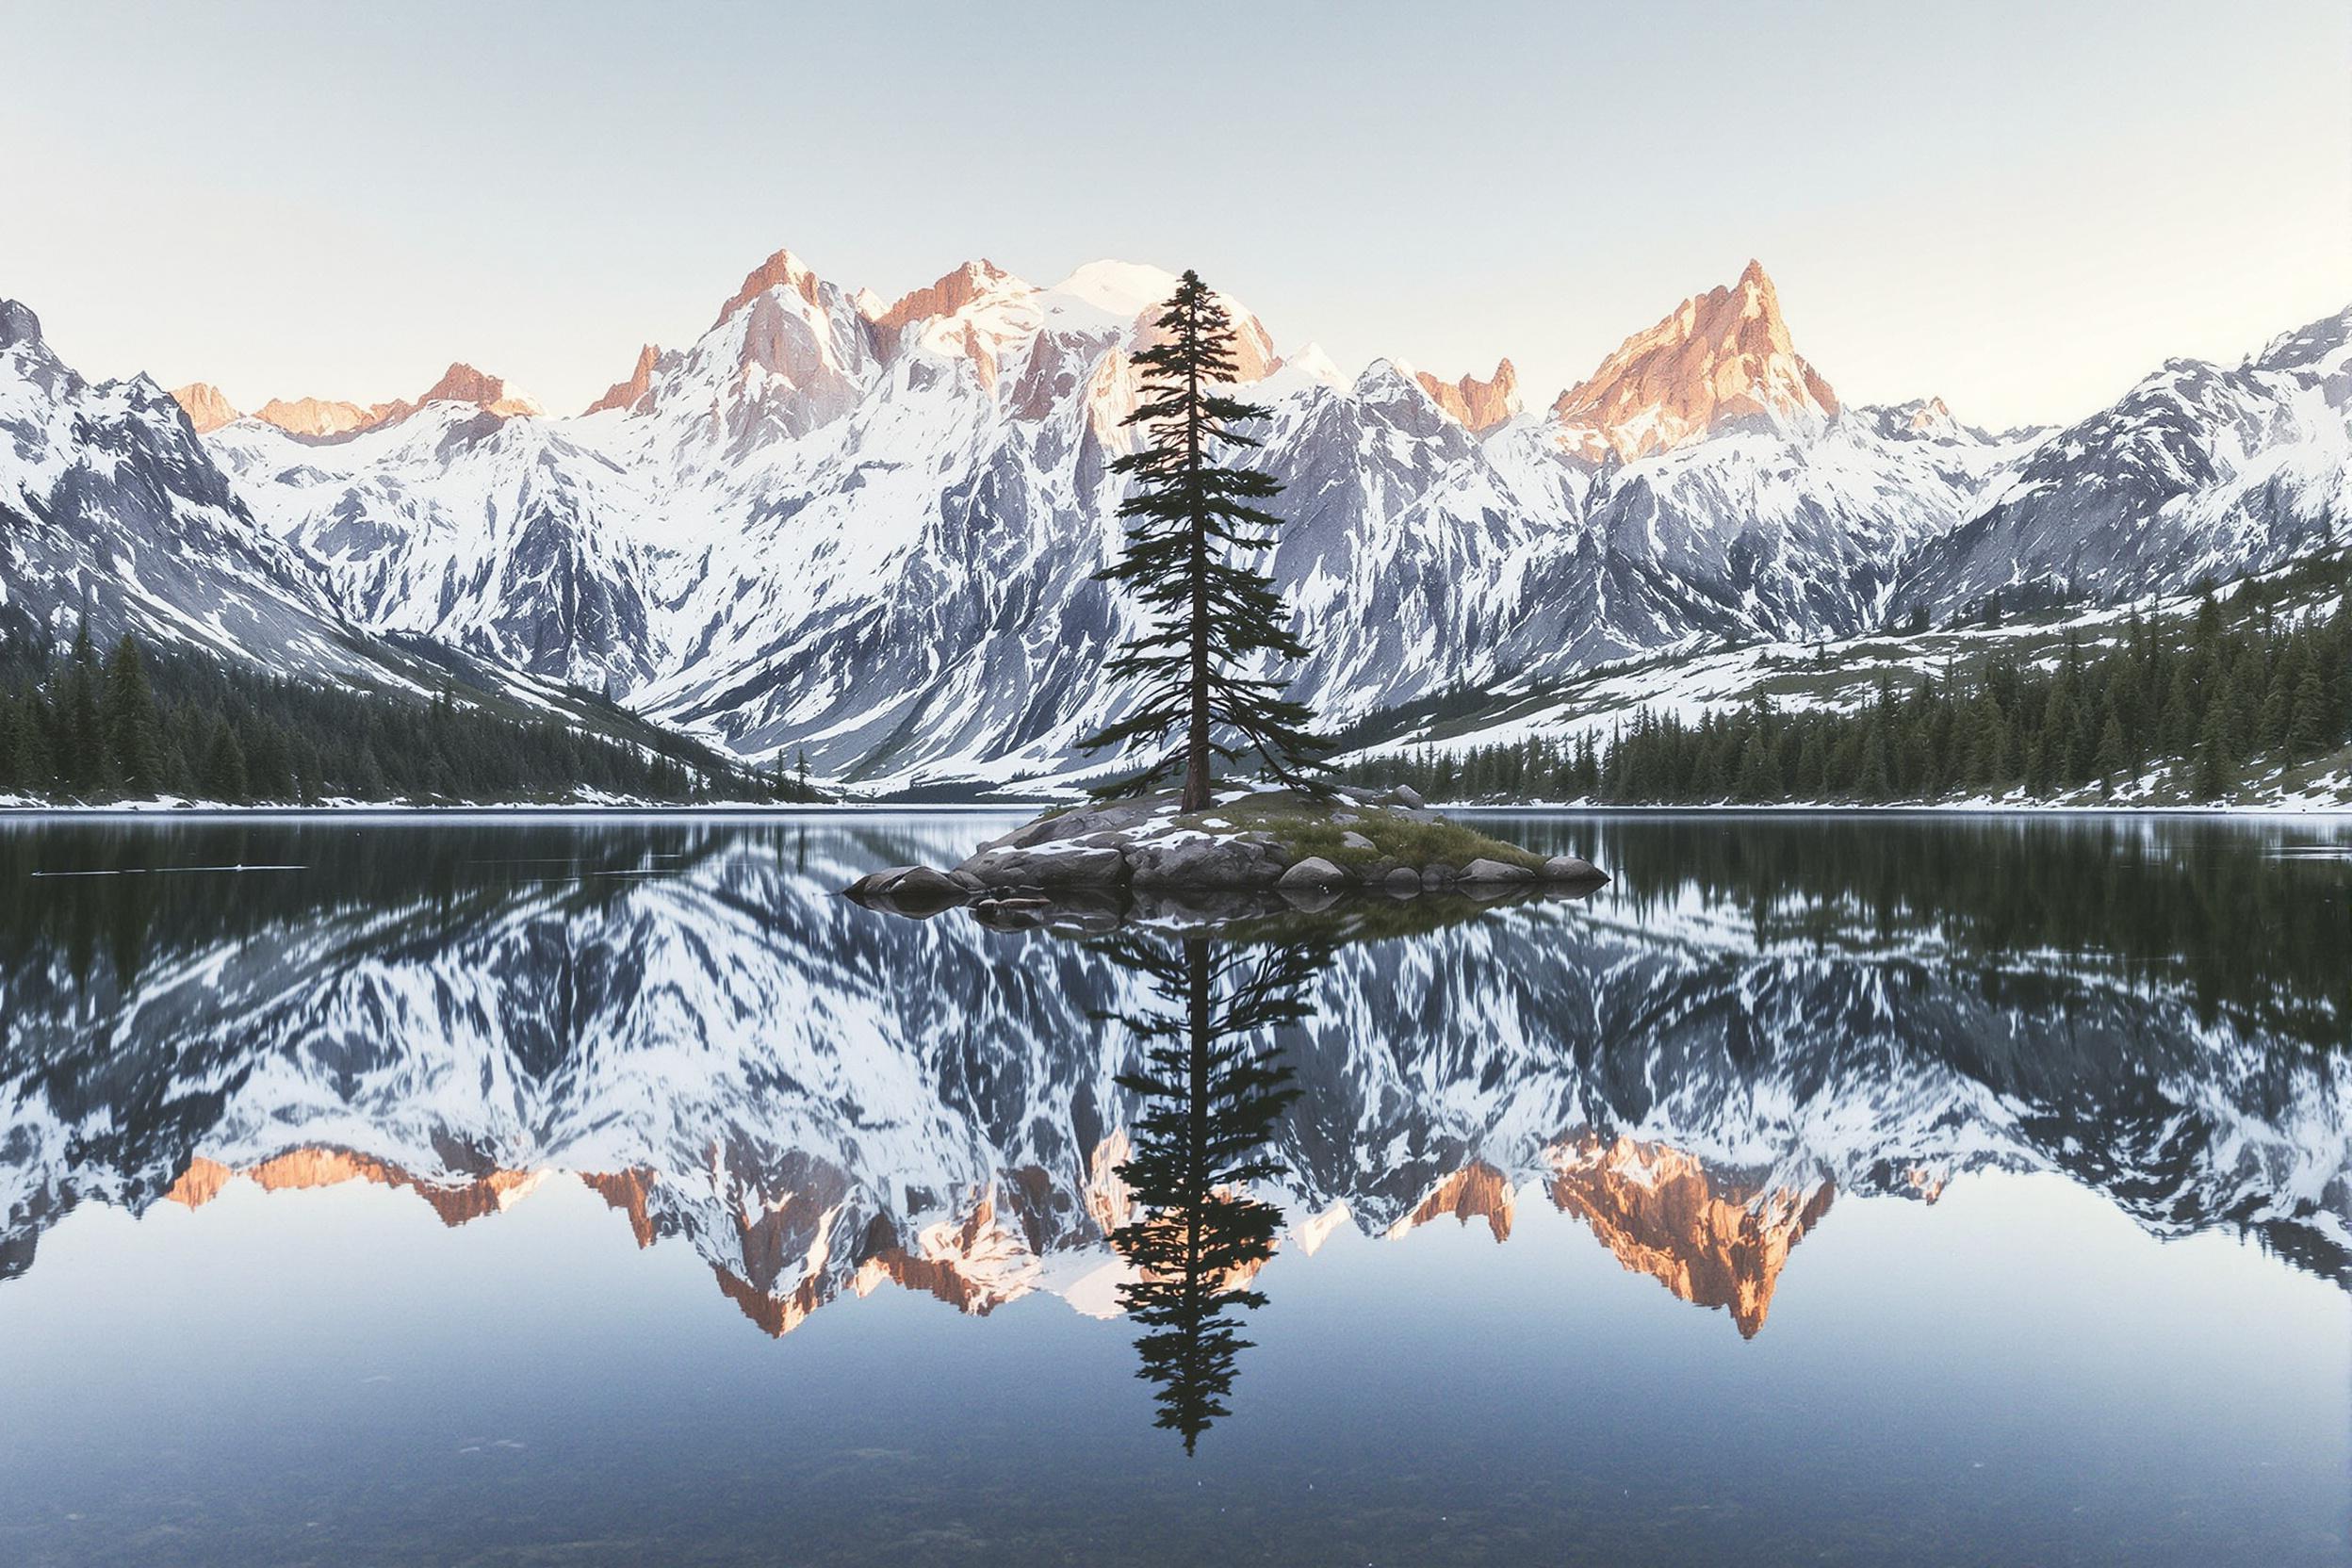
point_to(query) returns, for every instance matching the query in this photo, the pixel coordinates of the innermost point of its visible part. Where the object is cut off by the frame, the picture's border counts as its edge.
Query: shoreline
(177, 811)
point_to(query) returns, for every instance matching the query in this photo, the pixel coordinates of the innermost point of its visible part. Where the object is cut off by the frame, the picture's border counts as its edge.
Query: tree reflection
(1212, 1086)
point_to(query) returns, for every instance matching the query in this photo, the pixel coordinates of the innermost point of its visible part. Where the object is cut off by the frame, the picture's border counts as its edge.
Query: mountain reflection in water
(1761, 1015)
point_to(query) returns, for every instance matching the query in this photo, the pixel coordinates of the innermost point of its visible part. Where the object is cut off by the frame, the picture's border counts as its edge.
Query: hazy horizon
(2020, 210)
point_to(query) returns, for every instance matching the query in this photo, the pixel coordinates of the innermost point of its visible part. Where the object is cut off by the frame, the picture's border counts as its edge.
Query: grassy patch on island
(1303, 825)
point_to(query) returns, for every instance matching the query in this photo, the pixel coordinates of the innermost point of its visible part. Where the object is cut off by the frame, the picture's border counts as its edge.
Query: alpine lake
(536, 1189)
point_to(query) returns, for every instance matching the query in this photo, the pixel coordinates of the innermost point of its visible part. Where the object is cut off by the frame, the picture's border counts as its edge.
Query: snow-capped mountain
(2201, 471)
(818, 1099)
(1723, 360)
(869, 530)
(113, 511)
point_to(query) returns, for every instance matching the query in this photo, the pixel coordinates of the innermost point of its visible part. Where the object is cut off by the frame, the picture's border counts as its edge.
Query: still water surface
(1851, 1190)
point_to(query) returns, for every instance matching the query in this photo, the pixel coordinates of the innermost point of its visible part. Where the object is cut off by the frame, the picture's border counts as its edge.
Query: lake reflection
(1878, 1125)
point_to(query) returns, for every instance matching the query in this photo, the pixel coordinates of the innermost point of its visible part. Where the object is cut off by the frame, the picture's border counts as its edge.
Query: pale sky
(2021, 208)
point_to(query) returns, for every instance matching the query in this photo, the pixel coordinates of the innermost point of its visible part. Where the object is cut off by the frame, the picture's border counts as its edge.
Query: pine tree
(2307, 723)
(84, 762)
(2216, 765)
(1193, 523)
(224, 764)
(35, 764)
(2114, 757)
(133, 728)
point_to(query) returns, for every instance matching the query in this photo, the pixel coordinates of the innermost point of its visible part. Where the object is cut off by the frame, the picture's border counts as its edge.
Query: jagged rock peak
(946, 297)
(780, 271)
(1932, 416)
(206, 406)
(462, 383)
(324, 415)
(1718, 360)
(18, 324)
(1478, 405)
(629, 393)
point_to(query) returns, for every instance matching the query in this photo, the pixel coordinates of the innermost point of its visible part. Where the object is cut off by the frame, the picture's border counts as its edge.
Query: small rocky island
(1246, 841)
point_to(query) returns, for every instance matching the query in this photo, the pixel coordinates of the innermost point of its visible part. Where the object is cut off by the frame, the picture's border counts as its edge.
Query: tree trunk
(1196, 797)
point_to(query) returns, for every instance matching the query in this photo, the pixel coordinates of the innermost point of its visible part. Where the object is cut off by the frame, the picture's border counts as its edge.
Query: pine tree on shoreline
(1193, 521)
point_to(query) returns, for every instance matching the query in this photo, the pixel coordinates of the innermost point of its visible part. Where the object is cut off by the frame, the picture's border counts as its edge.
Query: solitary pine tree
(1193, 522)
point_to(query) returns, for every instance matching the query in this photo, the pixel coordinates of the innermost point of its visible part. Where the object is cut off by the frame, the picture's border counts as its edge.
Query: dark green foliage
(223, 777)
(2208, 702)
(163, 721)
(1194, 523)
(133, 727)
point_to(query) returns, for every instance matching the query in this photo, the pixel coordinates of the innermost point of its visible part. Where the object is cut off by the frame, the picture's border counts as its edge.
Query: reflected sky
(1819, 1190)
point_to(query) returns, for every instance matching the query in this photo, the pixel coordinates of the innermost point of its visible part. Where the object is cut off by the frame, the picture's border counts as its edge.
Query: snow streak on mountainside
(869, 529)
(817, 1097)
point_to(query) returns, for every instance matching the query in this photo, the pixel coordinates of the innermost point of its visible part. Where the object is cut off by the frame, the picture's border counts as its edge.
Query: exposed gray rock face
(1573, 868)
(1495, 871)
(1207, 863)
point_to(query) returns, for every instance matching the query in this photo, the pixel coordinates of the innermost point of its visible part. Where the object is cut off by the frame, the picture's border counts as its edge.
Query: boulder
(874, 882)
(1483, 870)
(1060, 866)
(1310, 873)
(1438, 875)
(1404, 794)
(1313, 872)
(1573, 868)
(922, 885)
(1404, 881)
(1354, 841)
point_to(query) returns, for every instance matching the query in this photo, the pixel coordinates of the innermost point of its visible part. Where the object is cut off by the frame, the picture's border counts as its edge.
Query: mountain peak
(1122, 288)
(1476, 405)
(206, 407)
(462, 383)
(1723, 359)
(627, 394)
(782, 269)
(951, 294)
(325, 416)
(18, 324)
(1932, 415)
